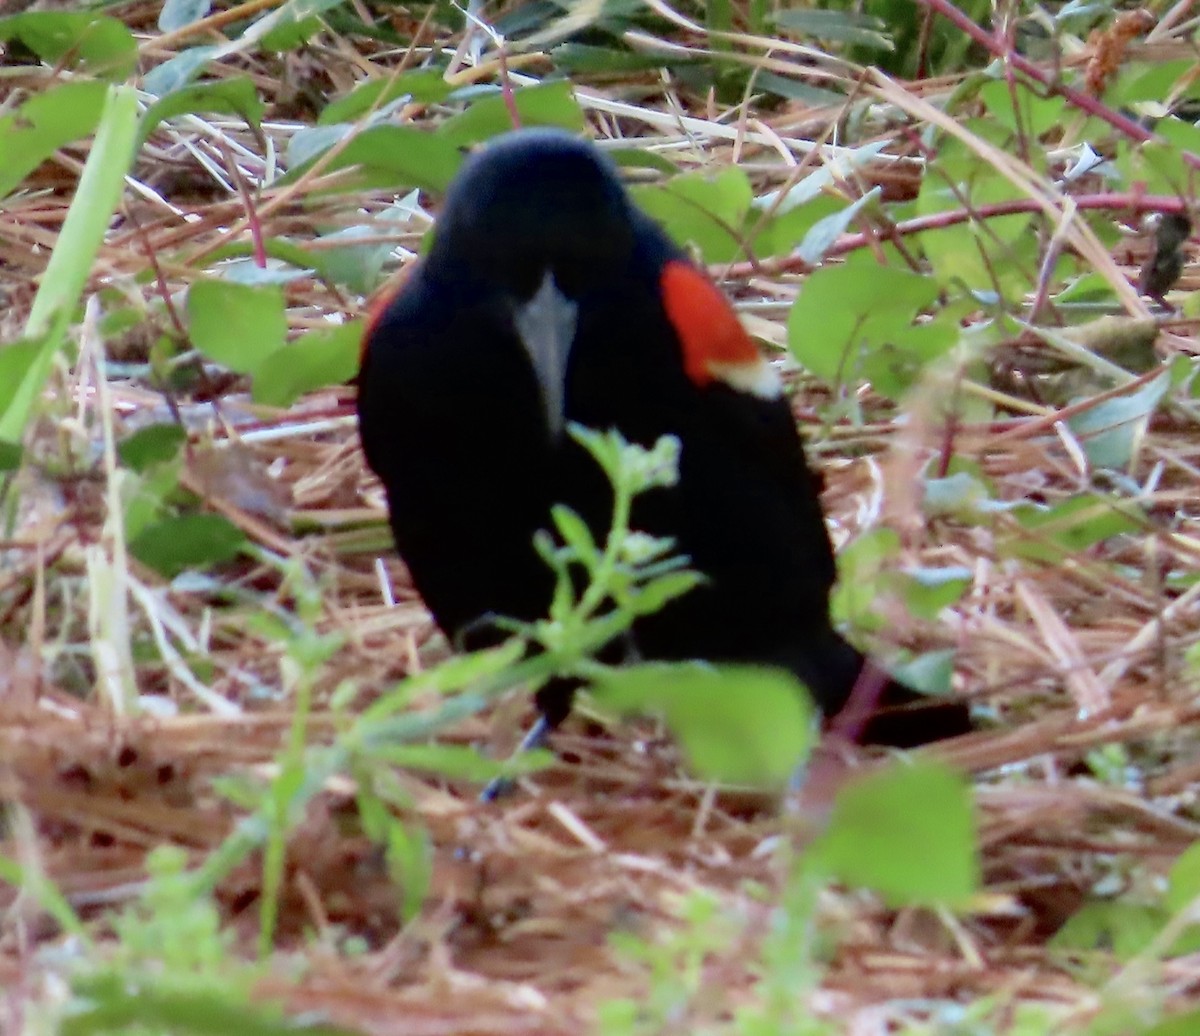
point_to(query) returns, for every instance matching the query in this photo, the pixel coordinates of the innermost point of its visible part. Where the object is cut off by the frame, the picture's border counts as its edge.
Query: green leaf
(1111, 430)
(547, 104)
(574, 532)
(62, 282)
(639, 158)
(355, 256)
(389, 157)
(51, 118)
(1000, 257)
(235, 96)
(1183, 883)
(846, 315)
(187, 541)
(154, 444)
(423, 85)
(18, 365)
(823, 234)
(178, 71)
(701, 210)
(237, 325)
(1073, 525)
(410, 863)
(736, 724)
(861, 567)
(1037, 114)
(1187, 1024)
(317, 359)
(960, 495)
(583, 59)
(113, 1002)
(838, 27)
(908, 832)
(83, 41)
(178, 14)
(931, 672)
(929, 590)
(460, 762)
(1123, 928)
(1149, 82)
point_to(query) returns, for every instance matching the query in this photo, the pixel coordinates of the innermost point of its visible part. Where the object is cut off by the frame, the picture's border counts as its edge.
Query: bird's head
(534, 203)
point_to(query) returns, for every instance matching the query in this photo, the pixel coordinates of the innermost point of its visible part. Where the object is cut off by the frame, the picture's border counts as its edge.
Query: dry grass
(514, 934)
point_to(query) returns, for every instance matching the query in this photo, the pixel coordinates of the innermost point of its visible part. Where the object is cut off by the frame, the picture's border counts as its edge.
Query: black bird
(547, 298)
(1165, 264)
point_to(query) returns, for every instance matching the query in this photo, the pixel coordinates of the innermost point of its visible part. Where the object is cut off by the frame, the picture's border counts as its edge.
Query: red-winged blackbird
(548, 298)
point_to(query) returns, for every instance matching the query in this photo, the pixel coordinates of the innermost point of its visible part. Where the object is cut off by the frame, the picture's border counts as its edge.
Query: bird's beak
(546, 326)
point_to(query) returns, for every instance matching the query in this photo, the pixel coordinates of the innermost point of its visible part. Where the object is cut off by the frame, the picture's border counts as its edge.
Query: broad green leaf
(238, 325)
(289, 23)
(928, 590)
(310, 141)
(83, 41)
(1186, 1024)
(177, 72)
(736, 724)
(96, 198)
(781, 231)
(317, 359)
(1149, 82)
(640, 158)
(861, 567)
(293, 29)
(701, 210)
(1071, 526)
(824, 232)
(894, 362)
(154, 444)
(359, 263)
(959, 495)
(424, 85)
(931, 672)
(1110, 431)
(1000, 256)
(1122, 928)
(393, 157)
(1037, 114)
(845, 313)
(1183, 884)
(178, 14)
(145, 497)
(547, 104)
(235, 96)
(53, 117)
(187, 541)
(908, 832)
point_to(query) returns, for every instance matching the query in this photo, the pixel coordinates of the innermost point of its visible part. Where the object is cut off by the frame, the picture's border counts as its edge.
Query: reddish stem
(506, 90)
(1133, 201)
(1081, 100)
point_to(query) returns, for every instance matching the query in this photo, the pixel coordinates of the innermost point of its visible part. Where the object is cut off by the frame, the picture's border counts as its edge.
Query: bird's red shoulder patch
(715, 345)
(378, 303)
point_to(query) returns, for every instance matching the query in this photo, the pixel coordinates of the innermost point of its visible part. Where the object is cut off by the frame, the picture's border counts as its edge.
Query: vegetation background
(240, 772)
